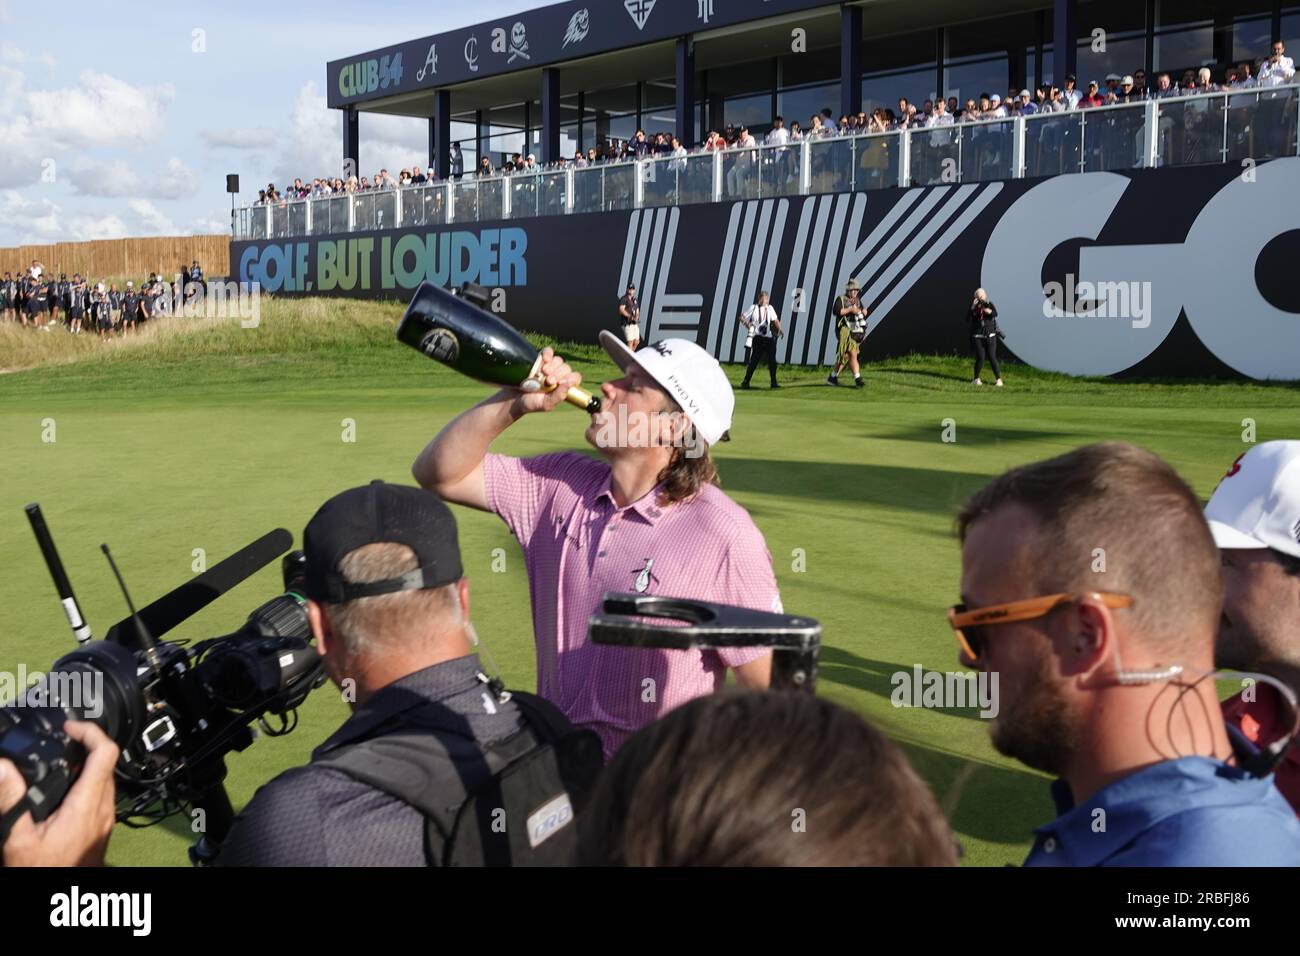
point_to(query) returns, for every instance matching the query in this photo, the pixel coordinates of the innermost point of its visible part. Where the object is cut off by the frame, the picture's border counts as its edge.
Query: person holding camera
(77, 832)
(851, 332)
(983, 318)
(438, 764)
(765, 327)
(629, 316)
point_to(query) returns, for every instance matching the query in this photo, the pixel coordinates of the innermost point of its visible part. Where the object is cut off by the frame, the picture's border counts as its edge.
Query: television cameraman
(76, 834)
(398, 783)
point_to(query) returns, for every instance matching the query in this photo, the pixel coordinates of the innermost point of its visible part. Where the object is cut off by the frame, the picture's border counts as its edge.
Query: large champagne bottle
(476, 343)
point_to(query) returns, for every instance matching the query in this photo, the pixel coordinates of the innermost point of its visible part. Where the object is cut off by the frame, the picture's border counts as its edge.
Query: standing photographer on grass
(983, 318)
(850, 330)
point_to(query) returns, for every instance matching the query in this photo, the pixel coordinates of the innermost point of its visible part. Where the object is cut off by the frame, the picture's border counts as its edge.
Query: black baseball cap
(373, 514)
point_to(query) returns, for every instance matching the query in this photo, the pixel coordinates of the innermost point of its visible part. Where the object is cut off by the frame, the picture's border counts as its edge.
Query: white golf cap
(1257, 503)
(995, 98)
(1024, 94)
(1126, 80)
(689, 374)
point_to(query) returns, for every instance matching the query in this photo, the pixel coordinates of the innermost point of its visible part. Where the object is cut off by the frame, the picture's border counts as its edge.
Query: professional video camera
(174, 710)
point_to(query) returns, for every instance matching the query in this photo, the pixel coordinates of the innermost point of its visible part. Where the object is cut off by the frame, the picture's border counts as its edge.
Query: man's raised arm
(452, 464)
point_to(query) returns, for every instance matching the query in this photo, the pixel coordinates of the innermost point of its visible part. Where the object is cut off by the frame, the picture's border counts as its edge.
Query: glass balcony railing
(1222, 127)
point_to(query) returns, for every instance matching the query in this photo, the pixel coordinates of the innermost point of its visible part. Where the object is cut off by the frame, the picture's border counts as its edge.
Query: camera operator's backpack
(510, 804)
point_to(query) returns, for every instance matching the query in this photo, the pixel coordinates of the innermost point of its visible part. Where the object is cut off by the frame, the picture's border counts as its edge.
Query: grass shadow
(916, 489)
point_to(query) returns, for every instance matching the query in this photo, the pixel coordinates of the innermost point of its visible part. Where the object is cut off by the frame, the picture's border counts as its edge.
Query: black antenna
(80, 629)
(142, 633)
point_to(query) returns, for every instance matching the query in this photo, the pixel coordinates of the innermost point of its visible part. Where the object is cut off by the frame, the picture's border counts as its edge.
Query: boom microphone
(80, 629)
(474, 342)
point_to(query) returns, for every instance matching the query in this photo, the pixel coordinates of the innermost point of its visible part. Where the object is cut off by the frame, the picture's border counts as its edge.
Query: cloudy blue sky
(117, 119)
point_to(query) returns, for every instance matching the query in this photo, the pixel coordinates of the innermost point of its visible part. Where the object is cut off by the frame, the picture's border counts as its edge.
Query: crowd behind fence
(1221, 127)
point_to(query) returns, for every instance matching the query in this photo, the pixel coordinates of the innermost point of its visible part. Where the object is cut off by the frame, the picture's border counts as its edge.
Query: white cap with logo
(1257, 503)
(689, 374)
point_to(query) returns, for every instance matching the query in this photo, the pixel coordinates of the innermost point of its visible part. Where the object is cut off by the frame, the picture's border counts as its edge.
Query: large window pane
(967, 80)
(897, 66)
(1291, 31)
(752, 111)
(1251, 29)
(1184, 36)
(885, 89)
(977, 54)
(658, 107)
(801, 104)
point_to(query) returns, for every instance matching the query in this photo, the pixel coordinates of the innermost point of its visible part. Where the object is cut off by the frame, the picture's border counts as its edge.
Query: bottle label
(441, 344)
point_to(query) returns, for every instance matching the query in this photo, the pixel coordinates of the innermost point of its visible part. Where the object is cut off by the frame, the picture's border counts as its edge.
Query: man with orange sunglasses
(1091, 586)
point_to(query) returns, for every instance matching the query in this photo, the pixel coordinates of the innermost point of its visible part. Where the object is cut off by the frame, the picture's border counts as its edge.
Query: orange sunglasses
(969, 625)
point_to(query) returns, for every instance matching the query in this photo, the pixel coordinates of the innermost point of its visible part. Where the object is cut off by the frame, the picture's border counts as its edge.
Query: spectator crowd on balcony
(1277, 69)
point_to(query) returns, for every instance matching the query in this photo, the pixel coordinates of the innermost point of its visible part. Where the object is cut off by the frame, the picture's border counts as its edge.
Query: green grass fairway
(206, 435)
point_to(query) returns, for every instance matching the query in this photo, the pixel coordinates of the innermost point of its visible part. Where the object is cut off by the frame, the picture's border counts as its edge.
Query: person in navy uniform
(76, 303)
(8, 297)
(131, 305)
(196, 276)
(99, 311)
(44, 292)
(58, 292)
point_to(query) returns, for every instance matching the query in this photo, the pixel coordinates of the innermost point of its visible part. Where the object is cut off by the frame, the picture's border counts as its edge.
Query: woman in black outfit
(983, 316)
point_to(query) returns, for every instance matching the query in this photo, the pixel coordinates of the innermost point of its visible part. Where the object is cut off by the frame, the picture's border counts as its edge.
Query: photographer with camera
(983, 318)
(399, 784)
(629, 317)
(850, 330)
(764, 328)
(76, 834)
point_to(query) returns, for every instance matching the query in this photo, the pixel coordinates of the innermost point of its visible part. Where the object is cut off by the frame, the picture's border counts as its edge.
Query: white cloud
(240, 137)
(44, 132)
(210, 224)
(29, 220)
(153, 219)
(12, 54)
(312, 145)
(85, 228)
(101, 111)
(119, 178)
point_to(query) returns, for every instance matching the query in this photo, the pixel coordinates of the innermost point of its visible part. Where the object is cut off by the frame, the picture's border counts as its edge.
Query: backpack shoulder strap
(543, 716)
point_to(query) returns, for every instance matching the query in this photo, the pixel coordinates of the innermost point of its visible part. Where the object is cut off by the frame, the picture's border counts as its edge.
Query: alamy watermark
(212, 300)
(82, 691)
(946, 690)
(1098, 300)
(648, 430)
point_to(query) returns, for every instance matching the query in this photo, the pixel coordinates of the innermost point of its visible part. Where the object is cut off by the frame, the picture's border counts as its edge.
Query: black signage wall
(551, 34)
(1179, 272)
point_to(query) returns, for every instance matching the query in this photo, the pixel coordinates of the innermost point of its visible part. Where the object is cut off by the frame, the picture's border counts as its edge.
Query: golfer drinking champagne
(647, 516)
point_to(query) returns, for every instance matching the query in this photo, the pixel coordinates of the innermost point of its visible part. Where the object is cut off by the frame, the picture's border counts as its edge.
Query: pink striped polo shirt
(578, 544)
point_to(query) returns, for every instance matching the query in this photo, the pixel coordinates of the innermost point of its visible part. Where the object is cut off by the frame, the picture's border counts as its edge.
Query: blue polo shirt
(1192, 811)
